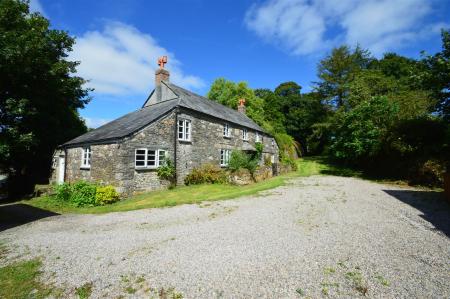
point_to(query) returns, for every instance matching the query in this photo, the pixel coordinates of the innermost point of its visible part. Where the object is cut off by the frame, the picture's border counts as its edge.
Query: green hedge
(82, 194)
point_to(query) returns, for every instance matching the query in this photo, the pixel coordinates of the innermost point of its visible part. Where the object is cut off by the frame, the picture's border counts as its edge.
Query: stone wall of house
(114, 164)
(207, 140)
(158, 135)
(103, 166)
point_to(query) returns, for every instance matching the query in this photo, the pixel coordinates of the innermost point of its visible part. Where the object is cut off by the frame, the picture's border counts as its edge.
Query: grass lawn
(194, 193)
(21, 280)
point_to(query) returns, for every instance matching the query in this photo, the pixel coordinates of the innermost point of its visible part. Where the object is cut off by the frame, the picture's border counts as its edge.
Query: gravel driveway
(320, 236)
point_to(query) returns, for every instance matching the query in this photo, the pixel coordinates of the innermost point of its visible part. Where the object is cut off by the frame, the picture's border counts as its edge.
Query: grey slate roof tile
(136, 120)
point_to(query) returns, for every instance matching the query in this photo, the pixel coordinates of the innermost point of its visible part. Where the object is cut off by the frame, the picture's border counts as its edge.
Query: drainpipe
(65, 164)
(175, 145)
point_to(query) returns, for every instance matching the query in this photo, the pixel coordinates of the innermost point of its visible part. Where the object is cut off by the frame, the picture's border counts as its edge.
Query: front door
(61, 170)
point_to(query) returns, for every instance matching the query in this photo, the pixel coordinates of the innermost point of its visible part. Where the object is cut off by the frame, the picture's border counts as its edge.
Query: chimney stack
(241, 106)
(161, 74)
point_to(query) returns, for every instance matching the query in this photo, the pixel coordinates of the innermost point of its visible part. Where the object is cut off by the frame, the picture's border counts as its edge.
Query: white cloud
(121, 60)
(93, 122)
(304, 27)
(36, 6)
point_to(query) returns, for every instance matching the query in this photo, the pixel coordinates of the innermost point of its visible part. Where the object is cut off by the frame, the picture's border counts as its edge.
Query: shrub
(291, 162)
(83, 194)
(267, 161)
(167, 170)
(63, 191)
(428, 173)
(106, 195)
(239, 160)
(207, 173)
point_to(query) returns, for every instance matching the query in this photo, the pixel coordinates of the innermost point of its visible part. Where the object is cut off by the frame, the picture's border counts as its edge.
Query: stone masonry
(114, 163)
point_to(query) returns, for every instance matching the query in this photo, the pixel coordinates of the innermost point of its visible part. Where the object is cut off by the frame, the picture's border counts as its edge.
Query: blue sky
(263, 43)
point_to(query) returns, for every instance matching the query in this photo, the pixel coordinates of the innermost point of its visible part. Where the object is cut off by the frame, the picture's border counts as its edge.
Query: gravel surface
(320, 236)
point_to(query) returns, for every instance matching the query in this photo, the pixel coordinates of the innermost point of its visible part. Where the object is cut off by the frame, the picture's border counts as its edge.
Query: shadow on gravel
(432, 204)
(12, 215)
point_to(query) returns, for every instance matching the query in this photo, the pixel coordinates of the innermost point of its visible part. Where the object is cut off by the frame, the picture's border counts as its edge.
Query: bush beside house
(82, 194)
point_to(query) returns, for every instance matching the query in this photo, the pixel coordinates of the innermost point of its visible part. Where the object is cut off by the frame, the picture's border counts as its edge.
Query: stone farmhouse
(174, 124)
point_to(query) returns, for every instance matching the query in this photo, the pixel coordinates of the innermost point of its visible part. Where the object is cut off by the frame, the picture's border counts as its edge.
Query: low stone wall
(263, 173)
(241, 177)
(244, 177)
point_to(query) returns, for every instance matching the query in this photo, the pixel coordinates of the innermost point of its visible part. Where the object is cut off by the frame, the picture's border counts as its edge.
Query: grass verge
(165, 198)
(196, 193)
(20, 280)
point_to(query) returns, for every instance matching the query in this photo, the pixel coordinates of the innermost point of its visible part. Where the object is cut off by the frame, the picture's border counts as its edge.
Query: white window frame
(184, 130)
(158, 154)
(258, 137)
(226, 131)
(225, 155)
(86, 154)
(244, 134)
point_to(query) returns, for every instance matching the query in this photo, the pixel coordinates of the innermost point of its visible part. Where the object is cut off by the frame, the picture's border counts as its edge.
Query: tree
(337, 70)
(360, 134)
(228, 93)
(438, 77)
(39, 95)
(287, 89)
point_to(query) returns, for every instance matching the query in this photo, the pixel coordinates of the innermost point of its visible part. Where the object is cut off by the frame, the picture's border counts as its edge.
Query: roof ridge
(209, 101)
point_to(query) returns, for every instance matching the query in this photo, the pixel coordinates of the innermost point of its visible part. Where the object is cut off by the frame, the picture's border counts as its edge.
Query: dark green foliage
(167, 170)
(228, 93)
(288, 89)
(207, 173)
(242, 160)
(337, 70)
(39, 95)
(291, 162)
(437, 76)
(259, 150)
(382, 113)
(63, 192)
(82, 194)
(361, 132)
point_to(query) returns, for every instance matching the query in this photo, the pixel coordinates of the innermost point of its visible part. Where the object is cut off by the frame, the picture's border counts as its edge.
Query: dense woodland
(39, 95)
(387, 116)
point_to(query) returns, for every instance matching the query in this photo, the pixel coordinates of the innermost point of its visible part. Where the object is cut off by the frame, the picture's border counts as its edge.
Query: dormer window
(226, 131)
(244, 134)
(184, 130)
(86, 158)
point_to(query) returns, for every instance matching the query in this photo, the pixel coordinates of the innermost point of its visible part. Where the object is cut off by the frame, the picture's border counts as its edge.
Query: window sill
(145, 168)
(185, 141)
(85, 168)
(227, 137)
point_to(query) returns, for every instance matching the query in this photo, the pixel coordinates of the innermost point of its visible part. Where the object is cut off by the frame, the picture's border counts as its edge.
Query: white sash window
(184, 130)
(86, 157)
(149, 158)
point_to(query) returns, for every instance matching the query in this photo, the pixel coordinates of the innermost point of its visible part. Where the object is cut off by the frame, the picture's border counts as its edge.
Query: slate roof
(134, 121)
